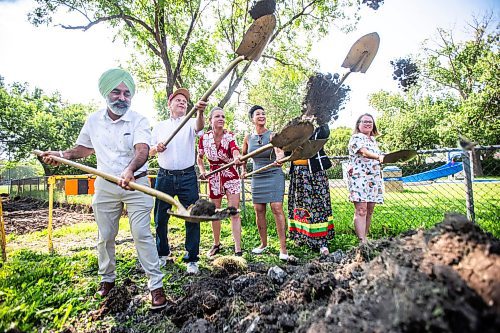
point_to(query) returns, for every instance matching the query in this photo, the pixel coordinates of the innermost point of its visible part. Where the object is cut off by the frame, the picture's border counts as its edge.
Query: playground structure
(448, 169)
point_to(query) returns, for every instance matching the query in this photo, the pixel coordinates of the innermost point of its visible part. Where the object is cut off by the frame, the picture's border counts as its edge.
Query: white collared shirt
(180, 152)
(114, 140)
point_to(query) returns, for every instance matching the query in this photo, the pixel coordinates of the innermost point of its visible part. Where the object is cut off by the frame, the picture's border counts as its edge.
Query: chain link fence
(422, 190)
(435, 182)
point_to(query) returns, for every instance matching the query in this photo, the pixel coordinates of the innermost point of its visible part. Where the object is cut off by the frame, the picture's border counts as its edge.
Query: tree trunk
(476, 160)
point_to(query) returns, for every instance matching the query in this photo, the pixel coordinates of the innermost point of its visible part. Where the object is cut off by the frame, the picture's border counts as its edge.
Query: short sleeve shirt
(180, 152)
(113, 140)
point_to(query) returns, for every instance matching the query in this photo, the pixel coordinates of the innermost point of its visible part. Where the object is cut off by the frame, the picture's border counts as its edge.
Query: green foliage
(414, 122)
(458, 93)
(32, 120)
(279, 91)
(176, 41)
(338, 141)
(41, 290)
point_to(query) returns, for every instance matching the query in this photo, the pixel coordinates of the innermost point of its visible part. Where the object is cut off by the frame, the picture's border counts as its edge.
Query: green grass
(4, 189)
(39, 289)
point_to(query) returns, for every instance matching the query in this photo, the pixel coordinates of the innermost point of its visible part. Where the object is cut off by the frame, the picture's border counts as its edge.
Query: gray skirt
(268, 186)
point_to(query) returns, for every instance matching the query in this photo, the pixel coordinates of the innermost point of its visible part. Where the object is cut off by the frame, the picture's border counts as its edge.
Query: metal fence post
(469, 195)
(52, 183)
(3, 237)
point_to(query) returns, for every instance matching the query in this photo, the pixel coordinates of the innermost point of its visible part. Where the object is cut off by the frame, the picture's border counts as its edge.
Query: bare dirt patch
(25, 215)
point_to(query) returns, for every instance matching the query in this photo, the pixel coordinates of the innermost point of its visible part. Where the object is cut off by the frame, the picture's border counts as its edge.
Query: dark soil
(24, 215)
(203, 208)
(445, 279)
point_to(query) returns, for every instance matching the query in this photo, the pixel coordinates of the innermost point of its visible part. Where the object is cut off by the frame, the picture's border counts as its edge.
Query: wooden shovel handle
(145, 189)
(205, 97)
(242, 158)
(269, 166)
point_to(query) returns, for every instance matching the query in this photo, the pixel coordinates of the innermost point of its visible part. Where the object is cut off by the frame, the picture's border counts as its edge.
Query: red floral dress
(226, 181)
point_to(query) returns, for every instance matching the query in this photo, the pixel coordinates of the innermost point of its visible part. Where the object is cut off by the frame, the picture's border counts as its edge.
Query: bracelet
(61, 154)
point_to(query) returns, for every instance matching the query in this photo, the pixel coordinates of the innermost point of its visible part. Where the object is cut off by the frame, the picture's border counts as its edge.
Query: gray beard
(118, 107)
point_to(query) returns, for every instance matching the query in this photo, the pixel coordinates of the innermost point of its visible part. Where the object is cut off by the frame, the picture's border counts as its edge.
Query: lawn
(38, 289)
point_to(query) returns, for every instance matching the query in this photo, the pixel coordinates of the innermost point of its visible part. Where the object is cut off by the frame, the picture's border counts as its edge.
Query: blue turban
(110, 79)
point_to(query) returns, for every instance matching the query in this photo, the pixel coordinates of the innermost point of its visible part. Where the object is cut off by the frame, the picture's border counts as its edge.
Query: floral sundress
(365, 184)
(226, 181)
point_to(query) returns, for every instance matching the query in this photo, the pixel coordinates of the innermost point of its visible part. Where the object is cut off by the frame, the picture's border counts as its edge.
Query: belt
(177, 172)
(300, 162)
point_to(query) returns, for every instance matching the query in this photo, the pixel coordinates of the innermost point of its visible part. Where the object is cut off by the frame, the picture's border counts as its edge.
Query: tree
(179, 40)
(458, 93)
(279, 91)
(32, 120)
(472, 70)
(338, 141)
(411, 122)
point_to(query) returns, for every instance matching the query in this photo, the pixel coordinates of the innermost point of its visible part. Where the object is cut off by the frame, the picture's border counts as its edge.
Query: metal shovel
(289, 138)
(303, 152)
(251, 48)
(181, 212)
(360, 55)
(399, 156)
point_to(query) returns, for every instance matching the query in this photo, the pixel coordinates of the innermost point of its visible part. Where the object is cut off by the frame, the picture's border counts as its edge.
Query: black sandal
(213, 251)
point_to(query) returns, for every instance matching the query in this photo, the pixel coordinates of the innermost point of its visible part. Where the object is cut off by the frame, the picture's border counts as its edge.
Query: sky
(70, 62)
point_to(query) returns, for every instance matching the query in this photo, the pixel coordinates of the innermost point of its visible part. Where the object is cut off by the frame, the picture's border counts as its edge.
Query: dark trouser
(184, 185)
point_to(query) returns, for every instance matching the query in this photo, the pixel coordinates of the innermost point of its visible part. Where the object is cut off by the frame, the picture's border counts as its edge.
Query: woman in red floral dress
(220, 147)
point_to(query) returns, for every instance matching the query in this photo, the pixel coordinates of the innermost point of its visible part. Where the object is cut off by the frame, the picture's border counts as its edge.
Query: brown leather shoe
(158, 299)
(104, 288)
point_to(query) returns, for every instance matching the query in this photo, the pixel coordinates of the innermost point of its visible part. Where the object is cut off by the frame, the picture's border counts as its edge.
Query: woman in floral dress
(220, 147)
(365, 178)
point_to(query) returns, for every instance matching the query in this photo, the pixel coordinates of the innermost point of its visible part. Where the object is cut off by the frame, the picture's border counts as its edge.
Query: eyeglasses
(366, 122)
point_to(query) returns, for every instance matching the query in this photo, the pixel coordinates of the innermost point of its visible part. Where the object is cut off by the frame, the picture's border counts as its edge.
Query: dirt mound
(24, 215)
(444, 279)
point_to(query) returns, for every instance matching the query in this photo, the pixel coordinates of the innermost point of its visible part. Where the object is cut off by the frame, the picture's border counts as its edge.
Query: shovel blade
(400, 156)
(256, 38)
(307, 150)
(293, 135)
(362, 52)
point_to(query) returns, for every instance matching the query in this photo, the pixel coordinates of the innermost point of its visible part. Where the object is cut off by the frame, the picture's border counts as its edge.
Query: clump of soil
(203, 208)
(261, 8)
(226, 212)
(445, 279)
(24, 215)
(117, 301)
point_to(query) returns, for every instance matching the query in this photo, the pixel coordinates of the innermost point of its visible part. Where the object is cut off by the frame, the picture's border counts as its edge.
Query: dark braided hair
(322, 99)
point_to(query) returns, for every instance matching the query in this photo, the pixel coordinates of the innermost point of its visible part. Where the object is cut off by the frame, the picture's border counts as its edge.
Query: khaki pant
(108, 204)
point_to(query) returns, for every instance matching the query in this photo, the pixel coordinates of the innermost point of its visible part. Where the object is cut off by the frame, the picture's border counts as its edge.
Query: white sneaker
(284, 256)
(192, 268)
(259, 250)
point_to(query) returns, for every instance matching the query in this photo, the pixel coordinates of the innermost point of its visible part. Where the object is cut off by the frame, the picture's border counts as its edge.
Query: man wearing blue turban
(120, 139)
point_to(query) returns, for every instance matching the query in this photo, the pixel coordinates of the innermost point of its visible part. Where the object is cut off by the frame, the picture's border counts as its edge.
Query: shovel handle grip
(133, 185)
(242, 158)
(205, 97)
